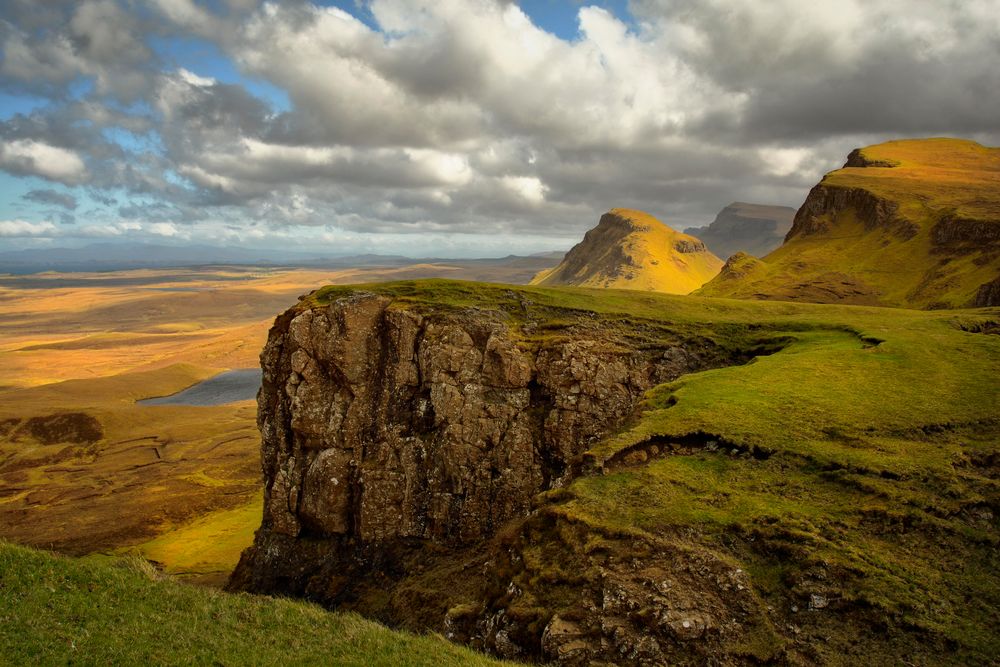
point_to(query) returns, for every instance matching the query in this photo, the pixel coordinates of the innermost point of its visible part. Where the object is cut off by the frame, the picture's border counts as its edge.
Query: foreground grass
(91, 611)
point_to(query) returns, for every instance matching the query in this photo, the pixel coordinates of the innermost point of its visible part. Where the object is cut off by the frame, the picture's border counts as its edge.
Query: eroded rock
(397, 442)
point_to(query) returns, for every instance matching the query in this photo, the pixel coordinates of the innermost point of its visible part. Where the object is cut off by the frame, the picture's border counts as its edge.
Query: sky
(457, 127)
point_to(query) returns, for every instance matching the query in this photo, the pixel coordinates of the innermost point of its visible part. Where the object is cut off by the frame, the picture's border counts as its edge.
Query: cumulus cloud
(24, 229)
(465, 117)
(24, 156)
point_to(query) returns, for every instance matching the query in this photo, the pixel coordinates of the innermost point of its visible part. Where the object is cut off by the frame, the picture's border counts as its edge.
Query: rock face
(633, 250)
(396, 440)
(755, 229)
(912, 223)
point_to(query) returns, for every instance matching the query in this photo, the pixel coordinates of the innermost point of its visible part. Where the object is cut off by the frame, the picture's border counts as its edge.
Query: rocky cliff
(911, 223)
(487, 463)
(755, 229)
(630, 249)
(403, 449)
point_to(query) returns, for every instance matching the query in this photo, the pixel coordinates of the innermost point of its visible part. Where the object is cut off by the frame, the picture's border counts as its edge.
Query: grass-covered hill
(100, 611)
(850, 482)
(630, 249)
(912, 223)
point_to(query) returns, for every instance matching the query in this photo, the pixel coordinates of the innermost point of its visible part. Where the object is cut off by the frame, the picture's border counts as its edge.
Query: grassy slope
(656, 264)
(168, 464)
(884, 430)
(96, 611)
(207, 549)
(931, 178)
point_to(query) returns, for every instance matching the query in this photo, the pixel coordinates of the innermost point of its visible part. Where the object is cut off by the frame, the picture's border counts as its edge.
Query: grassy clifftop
(98, 611)
(912, 223)
(852, 474)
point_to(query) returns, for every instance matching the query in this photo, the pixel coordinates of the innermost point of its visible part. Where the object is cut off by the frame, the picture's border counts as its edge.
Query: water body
(228, 387)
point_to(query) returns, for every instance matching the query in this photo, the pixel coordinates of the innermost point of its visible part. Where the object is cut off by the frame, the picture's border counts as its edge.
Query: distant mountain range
(123, 256)
(756, 229)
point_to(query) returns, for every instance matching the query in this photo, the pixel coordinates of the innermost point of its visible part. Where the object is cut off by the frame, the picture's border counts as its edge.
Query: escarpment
(818, 213)
(912, 223)
(552, 475)
(398, 442)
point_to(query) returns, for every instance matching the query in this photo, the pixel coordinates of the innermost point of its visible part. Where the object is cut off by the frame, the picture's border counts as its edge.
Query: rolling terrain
(583, 475)
(77, 351)
(633, 250)
(911, 223)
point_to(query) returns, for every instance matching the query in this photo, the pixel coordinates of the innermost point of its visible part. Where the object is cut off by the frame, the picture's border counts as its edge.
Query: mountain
(913, 223)
(124, 256)
(120, 256)
(756, 229)
(630, 249)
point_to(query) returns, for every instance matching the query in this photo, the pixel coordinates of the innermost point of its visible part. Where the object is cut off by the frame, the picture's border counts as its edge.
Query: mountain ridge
(909, 223)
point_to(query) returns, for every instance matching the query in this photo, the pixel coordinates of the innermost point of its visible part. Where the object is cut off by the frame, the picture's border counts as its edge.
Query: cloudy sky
(457, 127)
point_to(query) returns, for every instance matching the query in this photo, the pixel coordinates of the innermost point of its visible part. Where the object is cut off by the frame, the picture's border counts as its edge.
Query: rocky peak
(858, 159)
(912, 223)
(630, 249)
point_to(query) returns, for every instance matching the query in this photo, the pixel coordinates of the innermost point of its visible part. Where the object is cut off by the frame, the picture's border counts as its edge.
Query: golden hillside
(630, 249)
(912, 223)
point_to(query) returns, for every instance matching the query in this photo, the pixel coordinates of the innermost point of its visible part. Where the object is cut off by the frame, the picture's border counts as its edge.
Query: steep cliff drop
(912, 223)
(404, 447)
(633, 250)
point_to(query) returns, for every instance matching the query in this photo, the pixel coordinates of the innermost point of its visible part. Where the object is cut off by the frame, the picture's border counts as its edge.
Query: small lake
(228, 387)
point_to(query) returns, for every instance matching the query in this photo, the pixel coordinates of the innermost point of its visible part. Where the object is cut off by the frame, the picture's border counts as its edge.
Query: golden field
(84, 468)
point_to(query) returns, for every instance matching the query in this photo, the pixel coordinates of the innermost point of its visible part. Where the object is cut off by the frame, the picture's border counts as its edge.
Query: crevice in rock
(683, 445)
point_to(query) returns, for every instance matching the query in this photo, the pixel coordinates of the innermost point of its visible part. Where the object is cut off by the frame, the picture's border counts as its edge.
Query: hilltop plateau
(913, 223)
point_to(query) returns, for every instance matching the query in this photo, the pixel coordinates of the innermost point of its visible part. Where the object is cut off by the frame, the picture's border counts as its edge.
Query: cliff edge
(912, 223)
(546, 474)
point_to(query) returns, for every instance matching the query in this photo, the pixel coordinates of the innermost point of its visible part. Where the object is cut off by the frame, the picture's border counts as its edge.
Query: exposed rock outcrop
(988, 294)
(397, 441)
(633, 250)
(824, 203)
(380, 423)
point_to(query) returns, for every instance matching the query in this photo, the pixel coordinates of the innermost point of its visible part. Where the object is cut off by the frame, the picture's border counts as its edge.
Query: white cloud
(528, 188)
(24, 229)
(193, 79)
(41, 159)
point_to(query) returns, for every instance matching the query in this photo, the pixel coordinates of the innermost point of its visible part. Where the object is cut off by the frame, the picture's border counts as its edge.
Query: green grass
(100, 611)
(207, 549)
(879, 436)
(880, 425)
